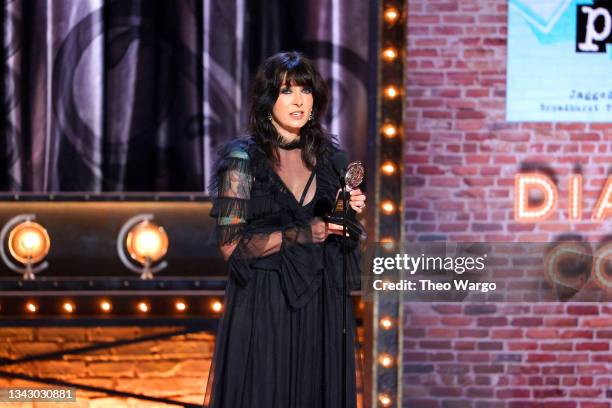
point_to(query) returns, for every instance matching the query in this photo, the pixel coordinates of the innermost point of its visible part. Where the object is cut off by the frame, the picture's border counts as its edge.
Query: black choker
(294, 144)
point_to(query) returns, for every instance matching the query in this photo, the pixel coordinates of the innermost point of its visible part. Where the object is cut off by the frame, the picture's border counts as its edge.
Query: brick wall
(174, 368)
(460, 161)
(460, 154)
(508, 356)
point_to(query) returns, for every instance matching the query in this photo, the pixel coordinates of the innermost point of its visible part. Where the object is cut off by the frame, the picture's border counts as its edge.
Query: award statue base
(336, 217)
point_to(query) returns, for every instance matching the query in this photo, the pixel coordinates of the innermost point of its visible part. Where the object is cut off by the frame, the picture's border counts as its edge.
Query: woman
(279, 342)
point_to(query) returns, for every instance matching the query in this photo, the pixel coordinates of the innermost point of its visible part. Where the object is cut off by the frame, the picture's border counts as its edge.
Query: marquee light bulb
(68, 307)
(217, 306)
(106, 306)
(143, 307)
(391, 15)
(385, 400)
(31, 307)
(387, 207)
(391, 92)
(386, 360)
(386, 323)
(389, 131)
(388, 168)
(390, 54)
(180, 306)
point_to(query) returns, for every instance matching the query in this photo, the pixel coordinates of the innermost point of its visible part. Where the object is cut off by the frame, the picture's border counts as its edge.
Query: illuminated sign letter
(575, 197)
(604, 203)
(522, 209)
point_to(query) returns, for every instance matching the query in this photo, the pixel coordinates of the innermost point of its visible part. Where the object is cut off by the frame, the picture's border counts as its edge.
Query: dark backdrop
(135, 95)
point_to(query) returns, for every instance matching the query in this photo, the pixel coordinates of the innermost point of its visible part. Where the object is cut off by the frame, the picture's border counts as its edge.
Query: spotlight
(391, 15)
(388, 168)
(389, 131)
(386, 323)
(385, 400)
(391, 92)
(387, 207)
(180, 306)
(106, 306)
(28, 244)
(216, 306)
(68, 307)
(143, 307)
(390, 54)
(31, 307)
(145, 242)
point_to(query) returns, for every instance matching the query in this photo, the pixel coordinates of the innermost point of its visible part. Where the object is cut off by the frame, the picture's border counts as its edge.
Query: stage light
(387, 207)
(388, 168)
(386, 323)
(28, 243)
(385, 400)
(143, 307)
(391, 92)
(146, 243)
(68, 307)
(389, 131)
(391, 15)
(216, 306)
(180, 306)
(31, 307)
(390, 54)
(385, 360)
(106, 306)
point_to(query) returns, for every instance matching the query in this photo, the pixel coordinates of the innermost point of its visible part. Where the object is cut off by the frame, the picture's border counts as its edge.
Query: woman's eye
(307, 90)
(286, 90)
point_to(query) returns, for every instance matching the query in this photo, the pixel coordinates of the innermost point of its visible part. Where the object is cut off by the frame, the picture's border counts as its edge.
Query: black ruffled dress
(279, 341)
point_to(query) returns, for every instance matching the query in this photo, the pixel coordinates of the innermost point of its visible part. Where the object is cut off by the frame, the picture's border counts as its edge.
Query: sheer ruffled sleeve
(230, 192)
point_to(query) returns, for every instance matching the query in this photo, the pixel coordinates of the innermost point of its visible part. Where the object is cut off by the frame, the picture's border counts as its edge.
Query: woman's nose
(297, 99)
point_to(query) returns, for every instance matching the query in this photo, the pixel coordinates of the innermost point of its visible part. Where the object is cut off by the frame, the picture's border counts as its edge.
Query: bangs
(298, 75)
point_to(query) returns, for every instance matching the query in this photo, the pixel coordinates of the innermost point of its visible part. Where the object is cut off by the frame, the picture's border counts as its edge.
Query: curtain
(136, 95)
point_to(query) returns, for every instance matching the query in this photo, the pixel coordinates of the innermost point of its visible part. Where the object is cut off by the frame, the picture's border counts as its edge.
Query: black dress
(279, 341)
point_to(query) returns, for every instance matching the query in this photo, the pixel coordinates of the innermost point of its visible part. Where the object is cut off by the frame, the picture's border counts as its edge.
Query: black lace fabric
(279, 340)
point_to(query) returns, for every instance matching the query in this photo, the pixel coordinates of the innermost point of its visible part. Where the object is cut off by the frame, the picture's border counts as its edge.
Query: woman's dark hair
(288, 68)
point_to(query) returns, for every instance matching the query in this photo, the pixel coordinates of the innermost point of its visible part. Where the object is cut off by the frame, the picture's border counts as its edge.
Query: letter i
(575, 197)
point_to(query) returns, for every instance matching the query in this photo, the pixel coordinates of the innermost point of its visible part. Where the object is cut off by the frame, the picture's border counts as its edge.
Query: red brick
(582, 310)
(593, 346)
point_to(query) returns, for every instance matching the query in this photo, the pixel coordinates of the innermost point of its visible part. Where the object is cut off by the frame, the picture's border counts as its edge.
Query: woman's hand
(319, 230)
(357, 200)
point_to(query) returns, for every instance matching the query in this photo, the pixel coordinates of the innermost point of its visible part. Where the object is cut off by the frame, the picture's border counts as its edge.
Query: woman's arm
(265, 244)
(256, 246)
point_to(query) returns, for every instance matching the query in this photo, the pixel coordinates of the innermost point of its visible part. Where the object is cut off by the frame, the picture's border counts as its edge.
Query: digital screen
(559, 61)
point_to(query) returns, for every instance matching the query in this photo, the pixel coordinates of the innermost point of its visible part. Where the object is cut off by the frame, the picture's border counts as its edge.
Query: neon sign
(525, 211)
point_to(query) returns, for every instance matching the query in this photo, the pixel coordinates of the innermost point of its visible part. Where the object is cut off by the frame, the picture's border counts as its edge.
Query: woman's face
(292, 109)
